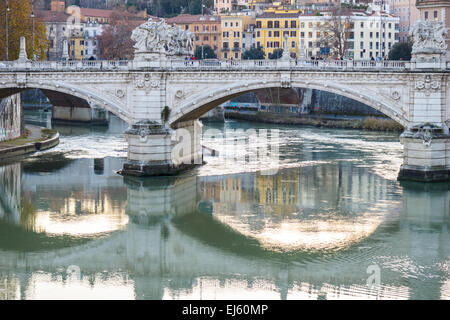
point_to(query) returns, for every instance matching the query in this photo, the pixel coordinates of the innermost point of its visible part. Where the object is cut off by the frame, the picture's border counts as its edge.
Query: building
(407, 12)
(206, 29)
(225, 6)
(57, 32)
(233, 28)
(101, 16)
(92, 30)
(370, 35)
(272, 26)
(58, 5)
(77, 43)
(436, 10)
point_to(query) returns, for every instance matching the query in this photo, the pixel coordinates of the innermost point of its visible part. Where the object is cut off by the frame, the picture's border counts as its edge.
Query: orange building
(206, 29)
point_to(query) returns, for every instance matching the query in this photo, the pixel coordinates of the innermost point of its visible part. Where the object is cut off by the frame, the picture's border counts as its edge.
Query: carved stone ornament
(429, 40)
(21, 80)
(155, 40)
(285, 80)
(179, 94)
(147, 83)
(395, 95)
(427, 85)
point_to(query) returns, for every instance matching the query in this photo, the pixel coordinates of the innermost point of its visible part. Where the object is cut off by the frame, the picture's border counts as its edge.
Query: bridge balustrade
(207, 65)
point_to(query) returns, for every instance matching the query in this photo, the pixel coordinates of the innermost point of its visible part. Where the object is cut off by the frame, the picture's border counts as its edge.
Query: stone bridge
(162, 96)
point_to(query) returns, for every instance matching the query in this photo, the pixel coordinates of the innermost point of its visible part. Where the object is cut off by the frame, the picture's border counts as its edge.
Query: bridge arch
(201, 104)
(90, 95)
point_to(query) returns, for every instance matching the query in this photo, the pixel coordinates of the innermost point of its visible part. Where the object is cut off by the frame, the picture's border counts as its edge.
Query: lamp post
(7, 40)
(32, 17)
(203, 29)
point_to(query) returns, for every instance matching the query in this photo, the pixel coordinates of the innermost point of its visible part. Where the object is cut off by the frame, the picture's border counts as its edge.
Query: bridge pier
(426, 154)
(155, 149)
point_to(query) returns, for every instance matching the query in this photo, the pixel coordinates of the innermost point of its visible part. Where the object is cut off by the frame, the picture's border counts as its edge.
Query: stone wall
(11, 118)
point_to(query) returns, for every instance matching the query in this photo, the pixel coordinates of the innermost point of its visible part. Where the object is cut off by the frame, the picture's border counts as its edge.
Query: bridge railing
(292, 64)
(64, 65)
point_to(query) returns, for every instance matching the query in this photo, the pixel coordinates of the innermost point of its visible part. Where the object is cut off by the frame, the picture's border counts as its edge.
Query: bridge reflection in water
(308, 232)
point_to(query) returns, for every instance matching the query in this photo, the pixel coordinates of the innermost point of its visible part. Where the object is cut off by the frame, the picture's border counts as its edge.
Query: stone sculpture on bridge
(156, 40)
(429, 41)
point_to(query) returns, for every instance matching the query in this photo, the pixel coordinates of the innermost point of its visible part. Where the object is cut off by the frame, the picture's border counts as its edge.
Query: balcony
(236, 49)
(225, 49)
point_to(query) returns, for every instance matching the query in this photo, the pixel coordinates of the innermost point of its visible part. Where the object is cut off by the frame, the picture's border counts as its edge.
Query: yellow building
(77, 45)
(233, 27)
(272, 26)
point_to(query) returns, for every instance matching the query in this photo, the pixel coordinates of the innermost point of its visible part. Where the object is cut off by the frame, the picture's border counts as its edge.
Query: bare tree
(115, 41)
(335, 32)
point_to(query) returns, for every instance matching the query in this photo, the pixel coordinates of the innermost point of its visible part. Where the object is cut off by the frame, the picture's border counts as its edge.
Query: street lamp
(32, 17)
(203, 29)
(7, 40)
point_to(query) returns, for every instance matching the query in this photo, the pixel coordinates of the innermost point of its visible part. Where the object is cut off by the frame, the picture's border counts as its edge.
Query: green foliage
(208, 52)
(254, 54)
(277, 53)
(401, 51)
(165, 114)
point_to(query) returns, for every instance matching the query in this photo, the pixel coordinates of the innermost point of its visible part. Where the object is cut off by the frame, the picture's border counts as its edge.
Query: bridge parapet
(243, 65)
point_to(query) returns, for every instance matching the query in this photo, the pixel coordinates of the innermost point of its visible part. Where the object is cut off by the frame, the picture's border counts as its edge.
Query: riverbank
(35, 139)
(370, 123)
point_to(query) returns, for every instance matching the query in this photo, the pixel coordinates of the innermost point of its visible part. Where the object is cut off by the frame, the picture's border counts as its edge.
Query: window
(293, 44)
(258, 34)
(361, 45)
(293, 24)
(302, 24)
(286, 24)
(362, 34)
(276, 33)
(258, 24)
(435, 14)
(225, 23)
(269, 24)
(293, 33)
(426, 15)
(236, 55)
(270, 34)
(302, 34)
(277, 24)
(309, 34)
(205, 38)
(310, 24)
(310, 44)
(362, 24)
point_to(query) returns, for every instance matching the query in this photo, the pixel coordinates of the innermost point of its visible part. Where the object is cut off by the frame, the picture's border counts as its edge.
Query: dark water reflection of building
(305, 232)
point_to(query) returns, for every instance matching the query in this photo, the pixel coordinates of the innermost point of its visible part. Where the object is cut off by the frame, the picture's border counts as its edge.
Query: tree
(208, 52)
(115, 41)
(254, 54)
(20, 24)
(277, 54)
(401, 51)
(335, 32)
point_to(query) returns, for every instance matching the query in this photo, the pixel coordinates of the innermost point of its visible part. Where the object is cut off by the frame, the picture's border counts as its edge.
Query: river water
(327, 221)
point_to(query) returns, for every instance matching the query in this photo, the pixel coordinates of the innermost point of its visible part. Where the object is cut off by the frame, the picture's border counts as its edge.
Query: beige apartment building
(369, 35)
